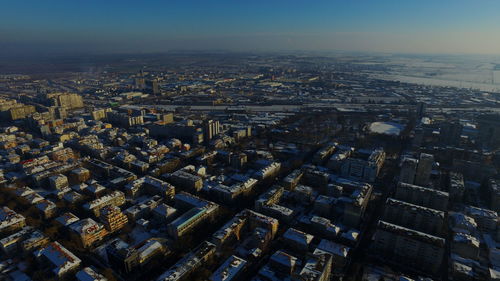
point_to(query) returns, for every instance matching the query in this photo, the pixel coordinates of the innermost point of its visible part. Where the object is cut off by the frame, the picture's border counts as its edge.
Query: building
(244, 222)
(164, 213)
(413, 216)
(297, 239)
(211, 128)
(293, 179)
(149, 250)
(10, 244)
(10, 221)
(79, 175)
(66, 219)
(408, 170)
(414, 249)
(465, 245)
(143, 208)
(33, 241)
(99, 114)
(233, 192)
(340, 253)
(47, 208)
(420, 110)
(268, 171)
(150, 185)
(58, 182)
(121, 256)
(230, 270)
(86, 232)
(20, 111)
(67, 100)
(281, 262)
(424, 169)
(183, 178)
(317, 267)
(152, 86)
(116, 198)
(363, 165)
(113, 218)
(238, 160)
(457, 188)
(59, 258)
(323, 154)
(189, 220)
(494, 193)
(489, 130)
(324, 226)
(353, 201)
(124, 120)
(88, 274)
(486, 220)
(189, 263)
(422, 196)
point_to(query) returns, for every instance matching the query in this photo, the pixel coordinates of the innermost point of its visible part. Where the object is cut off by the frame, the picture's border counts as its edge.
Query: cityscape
(226, 165)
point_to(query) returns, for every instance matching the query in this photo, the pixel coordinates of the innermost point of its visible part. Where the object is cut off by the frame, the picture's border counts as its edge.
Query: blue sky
(412, 26)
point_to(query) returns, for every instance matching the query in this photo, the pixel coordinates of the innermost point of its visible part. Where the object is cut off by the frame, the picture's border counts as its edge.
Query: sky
(125, 26)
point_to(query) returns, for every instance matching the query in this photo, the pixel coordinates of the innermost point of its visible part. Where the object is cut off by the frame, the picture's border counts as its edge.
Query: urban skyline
(250, 141)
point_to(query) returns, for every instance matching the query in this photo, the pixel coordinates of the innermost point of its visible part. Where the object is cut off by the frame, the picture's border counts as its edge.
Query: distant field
(496, 76)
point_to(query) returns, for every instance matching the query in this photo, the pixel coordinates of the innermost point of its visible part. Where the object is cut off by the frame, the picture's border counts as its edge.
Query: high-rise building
(408, 170)
(152, 86)
(410, 247)
(489, 130)
(67, 100)
(139, 81)
(420, 110)
(414, 216)
(418, 195)
(210, 129)
(424, 169)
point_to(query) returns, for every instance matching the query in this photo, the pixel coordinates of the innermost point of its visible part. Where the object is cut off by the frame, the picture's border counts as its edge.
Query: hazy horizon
(387, 26)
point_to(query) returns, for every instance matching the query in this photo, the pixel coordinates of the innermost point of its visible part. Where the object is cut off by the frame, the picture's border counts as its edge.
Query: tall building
(211, 128)
(418, 195)
(152, 86)
(424, 169)
(408, 170)
(67, 100)
(414, 216)
(450, 132)
(139, 81)
(420, 110)
(489, 130)
(494, 188)
(410, 247)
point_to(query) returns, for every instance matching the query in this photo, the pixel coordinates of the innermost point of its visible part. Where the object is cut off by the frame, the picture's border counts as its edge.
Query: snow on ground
(387, 128)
